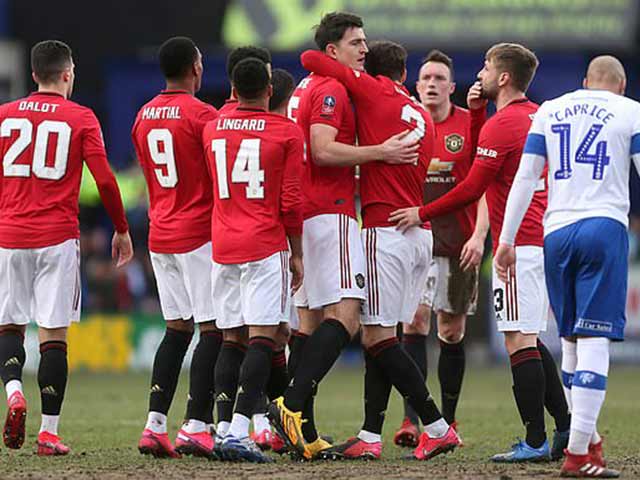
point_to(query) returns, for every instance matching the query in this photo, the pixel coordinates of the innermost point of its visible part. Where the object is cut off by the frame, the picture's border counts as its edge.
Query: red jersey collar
(173, 92)
(53, 94)
(518, 100)
(252, 109)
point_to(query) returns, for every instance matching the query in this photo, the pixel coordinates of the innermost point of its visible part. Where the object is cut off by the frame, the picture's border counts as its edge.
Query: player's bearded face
(488, 78)
(434, 84)
(351, 49)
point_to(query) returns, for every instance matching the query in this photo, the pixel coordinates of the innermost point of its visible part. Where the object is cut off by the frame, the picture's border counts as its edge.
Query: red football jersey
(255, 159)
(44, 139)
(455, 147)
(167, 136)
(321, 100)
(384, 108)
(500, 147)
(498, 155)
(230, 104)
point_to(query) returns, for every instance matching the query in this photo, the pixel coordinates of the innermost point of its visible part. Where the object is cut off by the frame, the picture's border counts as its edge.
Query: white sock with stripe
(369, 437)
(260, 422)
(13, 386)
(568, 367)
(239, 426)
(156, 422)
(49, 424)
(588, 391)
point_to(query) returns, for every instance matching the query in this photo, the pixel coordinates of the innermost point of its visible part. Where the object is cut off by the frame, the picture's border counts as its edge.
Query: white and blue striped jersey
(588, 138)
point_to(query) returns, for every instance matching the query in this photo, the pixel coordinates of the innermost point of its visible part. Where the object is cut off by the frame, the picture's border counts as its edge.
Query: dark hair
(515, 59)
(332, 27)
(238, 54)
(283, 86)
(250, 78)
(176, 56)
(49, 58)
(439, 57)
(386, 58)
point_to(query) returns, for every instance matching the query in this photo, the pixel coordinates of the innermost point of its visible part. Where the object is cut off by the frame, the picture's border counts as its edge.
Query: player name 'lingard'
(240, 124)
(161, 113)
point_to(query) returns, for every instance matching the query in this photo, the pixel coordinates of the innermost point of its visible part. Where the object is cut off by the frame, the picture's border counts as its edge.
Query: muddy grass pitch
(103, 417)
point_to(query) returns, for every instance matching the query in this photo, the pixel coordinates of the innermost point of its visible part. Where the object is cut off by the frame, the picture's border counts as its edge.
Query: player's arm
(291, 206)
(328, 152)
(473, 249)
(532, 164)
(492, 150)
(95, 157)
(205, 115)
(361, 86)
(635, 141)
(477, 111)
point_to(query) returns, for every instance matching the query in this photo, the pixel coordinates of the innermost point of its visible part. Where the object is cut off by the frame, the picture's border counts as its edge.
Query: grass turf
(103, 417)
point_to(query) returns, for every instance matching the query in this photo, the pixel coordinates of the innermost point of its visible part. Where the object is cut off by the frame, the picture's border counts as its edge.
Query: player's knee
(514, 341)
(374, 334)
(451, 328)
(13, 329)
(420, 324)
(52, 334)
(238, 335)
(282, 335)
(208, 327)
(181, 325)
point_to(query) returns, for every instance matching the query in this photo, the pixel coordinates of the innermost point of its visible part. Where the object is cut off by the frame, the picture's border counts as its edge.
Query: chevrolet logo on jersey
(454, 142)
(437, 167)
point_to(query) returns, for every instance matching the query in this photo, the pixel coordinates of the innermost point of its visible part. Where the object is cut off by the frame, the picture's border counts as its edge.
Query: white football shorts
(333, 261)
(522, 305)
(41, 284)
(184, 284)
(397, 267)
(449, 289)
(253, 293)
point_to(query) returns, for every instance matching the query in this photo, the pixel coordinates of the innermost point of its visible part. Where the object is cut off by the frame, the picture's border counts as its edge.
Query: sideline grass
(104, 415)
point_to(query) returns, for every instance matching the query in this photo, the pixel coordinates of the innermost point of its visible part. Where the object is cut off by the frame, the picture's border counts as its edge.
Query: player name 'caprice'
(596, 111)
(161, 113)
(241, 124)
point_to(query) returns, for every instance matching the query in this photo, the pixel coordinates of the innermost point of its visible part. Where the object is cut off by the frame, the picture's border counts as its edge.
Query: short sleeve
(202, 116)
(536, 142)
(494, 143)
(92, 139)
(329, 104)
(635, 131)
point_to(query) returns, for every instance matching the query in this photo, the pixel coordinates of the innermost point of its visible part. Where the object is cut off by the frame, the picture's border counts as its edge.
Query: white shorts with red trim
(184, 284)
(397, 268)
(41, 284)
(333, 261)
(522, 304)
(252, 293)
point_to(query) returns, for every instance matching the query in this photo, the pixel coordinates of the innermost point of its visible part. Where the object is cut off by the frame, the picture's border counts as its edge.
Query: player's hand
(400, 149)
(505, 262)
(406, 218)
(474, 97)
(297, 272)
(121, 248)
(471, 254)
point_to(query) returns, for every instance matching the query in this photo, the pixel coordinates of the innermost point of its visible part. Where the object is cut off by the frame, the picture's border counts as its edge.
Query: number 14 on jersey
(246, 167)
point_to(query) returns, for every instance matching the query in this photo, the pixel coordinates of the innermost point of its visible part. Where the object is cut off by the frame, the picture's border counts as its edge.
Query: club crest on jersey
(454, 142)
(328, 104)
(360, 280)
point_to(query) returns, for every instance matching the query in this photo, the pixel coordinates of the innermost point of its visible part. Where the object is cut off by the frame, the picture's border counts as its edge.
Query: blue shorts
(585, 266)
